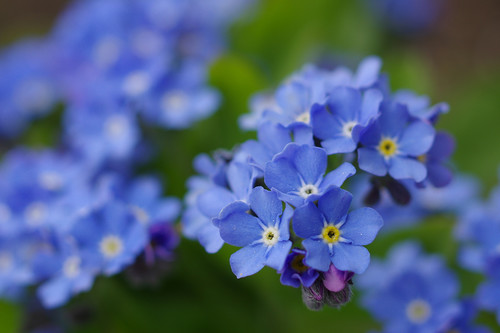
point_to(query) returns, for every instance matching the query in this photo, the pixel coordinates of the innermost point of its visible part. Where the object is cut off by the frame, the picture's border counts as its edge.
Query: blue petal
(266, 205)
(281, 175)
(407, 168)
(317, 254)
(350, 258)
(293, 98)
(338, 176)
(307, 221)
(209, 238)
(324, 124)
(277, 254)
(212, 201)
(372, 162)
(417, 139)
(240, 178)
(55, 292)
(240, 229)
(248, 260)
(274, 136)
(393, 120)
(345, 103)
(371, 105)
(443, 146)
(335, 204)
(439, 175)
(368, 72)
(339, 145)
(284, 227)
(362, 225)
(310, 163)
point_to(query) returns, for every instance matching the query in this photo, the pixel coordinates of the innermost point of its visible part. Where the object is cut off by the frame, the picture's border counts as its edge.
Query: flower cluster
(281, 198)
(73, 212)
(413, 292)
(478, 233)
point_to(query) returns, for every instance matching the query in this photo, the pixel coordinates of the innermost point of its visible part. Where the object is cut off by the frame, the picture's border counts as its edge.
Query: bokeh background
(456, 59)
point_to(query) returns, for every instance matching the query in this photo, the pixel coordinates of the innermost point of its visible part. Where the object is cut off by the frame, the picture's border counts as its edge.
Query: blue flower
(392, 144)
(297, 174)
(110, 235)
(295, 272)
(339, 122)
(28, 86)
(74, 274)
(419, 106)
(331, 235)
(488, 293)
(439, 153)
(291, 103)
(264, 238)
(410, 292)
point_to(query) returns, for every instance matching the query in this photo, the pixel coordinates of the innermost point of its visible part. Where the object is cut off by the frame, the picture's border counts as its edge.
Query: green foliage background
(201, 294)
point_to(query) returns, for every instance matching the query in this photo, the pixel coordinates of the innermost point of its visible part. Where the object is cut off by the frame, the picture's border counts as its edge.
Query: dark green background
(456, 61)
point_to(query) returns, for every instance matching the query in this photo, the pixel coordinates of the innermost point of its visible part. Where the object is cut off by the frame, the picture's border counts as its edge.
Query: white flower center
(111, 246)
(5, 213)
(5, 261)
(304, 117)
(50, 180)
(307, 190)
(71, 267)
(140, 214)
(116, 126)
(35, 213)
(270, 236)
(347, 128)
(107, 51)
(174, 101)
(418, 311)
(136, 83)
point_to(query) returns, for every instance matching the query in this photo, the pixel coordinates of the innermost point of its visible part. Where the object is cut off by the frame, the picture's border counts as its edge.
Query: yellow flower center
(418, 311)
(297, 264)
(388, 147)
(422, 158)
(330, 234)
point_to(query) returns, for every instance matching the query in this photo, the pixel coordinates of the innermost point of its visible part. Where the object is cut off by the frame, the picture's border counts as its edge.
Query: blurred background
(454, 58)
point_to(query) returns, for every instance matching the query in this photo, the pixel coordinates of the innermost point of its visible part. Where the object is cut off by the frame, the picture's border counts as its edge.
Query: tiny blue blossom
(331, 235)
(264, 238)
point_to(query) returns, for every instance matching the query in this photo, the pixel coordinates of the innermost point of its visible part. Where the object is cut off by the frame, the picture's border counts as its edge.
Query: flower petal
(307, 221)
(407, 168)
(362, 225)
(248, 260)
(417, 139)
(317, 254)
(371, 161)
(334, 204)
(350, 258)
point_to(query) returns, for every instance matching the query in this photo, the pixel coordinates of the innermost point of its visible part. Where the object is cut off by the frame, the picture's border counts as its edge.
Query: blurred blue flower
(410, 292)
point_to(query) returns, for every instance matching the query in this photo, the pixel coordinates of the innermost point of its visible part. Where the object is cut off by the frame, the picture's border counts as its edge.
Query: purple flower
(295, 272)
